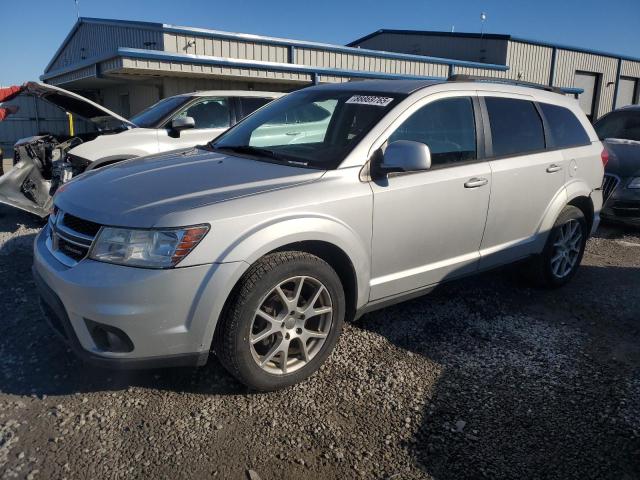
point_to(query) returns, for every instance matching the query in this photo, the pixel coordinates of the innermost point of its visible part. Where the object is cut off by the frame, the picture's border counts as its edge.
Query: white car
(44, 162)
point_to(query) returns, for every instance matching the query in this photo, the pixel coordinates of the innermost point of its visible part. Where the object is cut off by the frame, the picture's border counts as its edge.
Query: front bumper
(168, 315)
(623, 206)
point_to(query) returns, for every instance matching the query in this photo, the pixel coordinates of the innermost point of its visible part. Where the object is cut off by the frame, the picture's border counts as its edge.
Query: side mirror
(182, 123)
(405, 156)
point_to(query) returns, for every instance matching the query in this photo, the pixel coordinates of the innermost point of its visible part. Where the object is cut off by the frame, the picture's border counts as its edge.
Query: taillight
(605, 157)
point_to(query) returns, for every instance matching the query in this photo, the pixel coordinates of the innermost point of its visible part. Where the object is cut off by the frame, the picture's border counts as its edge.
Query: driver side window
(209, 113)
(446, 126)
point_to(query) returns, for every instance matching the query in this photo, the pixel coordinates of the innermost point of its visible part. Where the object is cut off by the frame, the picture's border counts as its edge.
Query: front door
(428, 226)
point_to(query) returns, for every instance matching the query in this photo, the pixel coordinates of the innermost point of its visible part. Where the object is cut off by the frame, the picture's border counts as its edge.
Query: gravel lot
(484, 377)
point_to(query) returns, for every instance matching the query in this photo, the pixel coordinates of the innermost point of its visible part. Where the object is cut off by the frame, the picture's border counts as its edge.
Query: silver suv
(325, 204)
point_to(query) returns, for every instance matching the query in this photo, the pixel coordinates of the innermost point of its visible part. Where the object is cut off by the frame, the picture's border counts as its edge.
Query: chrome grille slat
(68, 245)
(609, 184)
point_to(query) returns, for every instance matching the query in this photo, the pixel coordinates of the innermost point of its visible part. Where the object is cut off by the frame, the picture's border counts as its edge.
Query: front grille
(79, 225)
(70, 237)
(609, 184)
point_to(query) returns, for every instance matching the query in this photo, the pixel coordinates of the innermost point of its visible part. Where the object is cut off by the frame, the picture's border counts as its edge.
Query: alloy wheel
(566, 248)
(291, 325)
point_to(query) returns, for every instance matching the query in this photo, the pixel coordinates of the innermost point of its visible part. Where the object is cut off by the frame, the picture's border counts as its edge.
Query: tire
(307, 337)
(546, 270)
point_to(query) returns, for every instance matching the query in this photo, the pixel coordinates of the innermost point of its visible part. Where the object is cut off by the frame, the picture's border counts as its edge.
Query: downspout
(615, 88)
(552, 70)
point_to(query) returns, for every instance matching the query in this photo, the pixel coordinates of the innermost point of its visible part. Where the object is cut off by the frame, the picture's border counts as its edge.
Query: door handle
(553, 168)
(475, 182)
(292, 134)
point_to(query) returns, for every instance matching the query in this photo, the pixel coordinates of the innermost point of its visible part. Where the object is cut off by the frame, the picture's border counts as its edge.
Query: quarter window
(210, 113)
(249, 105)
(516, 127)
(446, 126)
(564, 127)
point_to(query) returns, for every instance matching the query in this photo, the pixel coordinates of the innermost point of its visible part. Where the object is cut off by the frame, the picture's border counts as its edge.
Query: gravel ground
(484, 377)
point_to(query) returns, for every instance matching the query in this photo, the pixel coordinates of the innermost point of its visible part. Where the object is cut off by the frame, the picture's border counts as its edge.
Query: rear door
(212, 117)
(526, 177)
(427, 225)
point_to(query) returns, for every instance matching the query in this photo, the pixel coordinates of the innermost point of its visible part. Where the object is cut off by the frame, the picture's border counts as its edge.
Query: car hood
(624, 159)
(73, 103)
(140, 192)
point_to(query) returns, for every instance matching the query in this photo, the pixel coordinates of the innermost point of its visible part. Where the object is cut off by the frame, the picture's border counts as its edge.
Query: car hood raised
(139, 192)
(624, 158)
(73, 103)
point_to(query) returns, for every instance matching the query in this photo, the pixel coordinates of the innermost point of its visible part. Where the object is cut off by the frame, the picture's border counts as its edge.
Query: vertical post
(35, 108)
(615, 87)
(315, 78)
(292, 54)
(72, 132)
(552, 70)
(452, 70)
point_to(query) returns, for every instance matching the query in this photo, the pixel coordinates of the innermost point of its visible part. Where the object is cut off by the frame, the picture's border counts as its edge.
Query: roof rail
(479, 78)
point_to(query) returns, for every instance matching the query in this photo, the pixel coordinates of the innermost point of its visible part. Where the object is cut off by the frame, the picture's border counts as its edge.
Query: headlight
(146, 248)
(634, 183)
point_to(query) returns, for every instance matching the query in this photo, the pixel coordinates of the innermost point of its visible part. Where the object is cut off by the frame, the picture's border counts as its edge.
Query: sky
(32, 30)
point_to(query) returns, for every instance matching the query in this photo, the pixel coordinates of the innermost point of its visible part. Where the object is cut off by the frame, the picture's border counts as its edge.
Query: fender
(575, 188)
(279, 232)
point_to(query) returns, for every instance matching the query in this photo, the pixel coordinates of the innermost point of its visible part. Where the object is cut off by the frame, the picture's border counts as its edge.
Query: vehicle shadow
(534, 383)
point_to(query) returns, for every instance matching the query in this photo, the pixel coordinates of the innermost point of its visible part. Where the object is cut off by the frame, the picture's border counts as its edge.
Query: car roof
(380, 86)
(232, 93)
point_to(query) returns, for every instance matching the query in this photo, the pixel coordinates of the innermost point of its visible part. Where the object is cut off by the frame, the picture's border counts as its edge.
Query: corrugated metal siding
(487, 50)
(630, 69)
(567, 62)
(91, 40)
(87, 72)
(368, 63)
(180, 68)
(219, 47)
(529, 63)
(35, 116)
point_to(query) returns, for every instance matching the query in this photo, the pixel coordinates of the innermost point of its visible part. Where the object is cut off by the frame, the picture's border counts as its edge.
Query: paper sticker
(370, 100)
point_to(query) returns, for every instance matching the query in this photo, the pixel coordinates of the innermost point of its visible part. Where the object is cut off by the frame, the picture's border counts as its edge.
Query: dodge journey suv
(258, 246)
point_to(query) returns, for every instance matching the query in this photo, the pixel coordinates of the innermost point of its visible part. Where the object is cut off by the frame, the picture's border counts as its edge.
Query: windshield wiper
(260, 152)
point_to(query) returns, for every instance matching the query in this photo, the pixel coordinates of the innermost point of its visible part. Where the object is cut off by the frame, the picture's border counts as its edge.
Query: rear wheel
(563, 252)
(282, 321)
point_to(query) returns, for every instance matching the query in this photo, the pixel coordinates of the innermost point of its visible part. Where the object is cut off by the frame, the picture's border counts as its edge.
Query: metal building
(127, 65)
(609, 81)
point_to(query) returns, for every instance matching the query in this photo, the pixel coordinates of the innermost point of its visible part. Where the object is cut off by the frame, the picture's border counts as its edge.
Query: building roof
(494, 36)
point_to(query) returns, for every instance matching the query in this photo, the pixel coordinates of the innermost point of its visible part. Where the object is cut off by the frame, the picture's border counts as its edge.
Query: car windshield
(622, 124)
(315, 128)
(153, 116)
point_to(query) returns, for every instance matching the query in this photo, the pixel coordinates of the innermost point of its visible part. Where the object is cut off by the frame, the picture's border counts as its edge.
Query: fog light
(108, 338)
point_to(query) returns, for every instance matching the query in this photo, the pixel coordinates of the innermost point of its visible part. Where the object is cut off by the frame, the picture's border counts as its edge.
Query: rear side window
(516, 127)
(564, 127)
(248, 105)
(446, 126)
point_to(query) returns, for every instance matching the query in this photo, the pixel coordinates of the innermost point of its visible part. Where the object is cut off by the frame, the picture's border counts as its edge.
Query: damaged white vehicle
(42, 163)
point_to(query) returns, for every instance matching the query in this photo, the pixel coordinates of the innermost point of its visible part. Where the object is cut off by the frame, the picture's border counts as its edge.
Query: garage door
(589, 83)
(626, 92)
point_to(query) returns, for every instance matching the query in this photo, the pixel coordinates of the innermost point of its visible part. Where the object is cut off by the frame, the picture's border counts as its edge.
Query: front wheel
(282, 321)
(562, 254)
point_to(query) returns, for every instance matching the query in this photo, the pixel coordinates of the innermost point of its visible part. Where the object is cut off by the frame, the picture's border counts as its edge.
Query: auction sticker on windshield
(370, 100)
